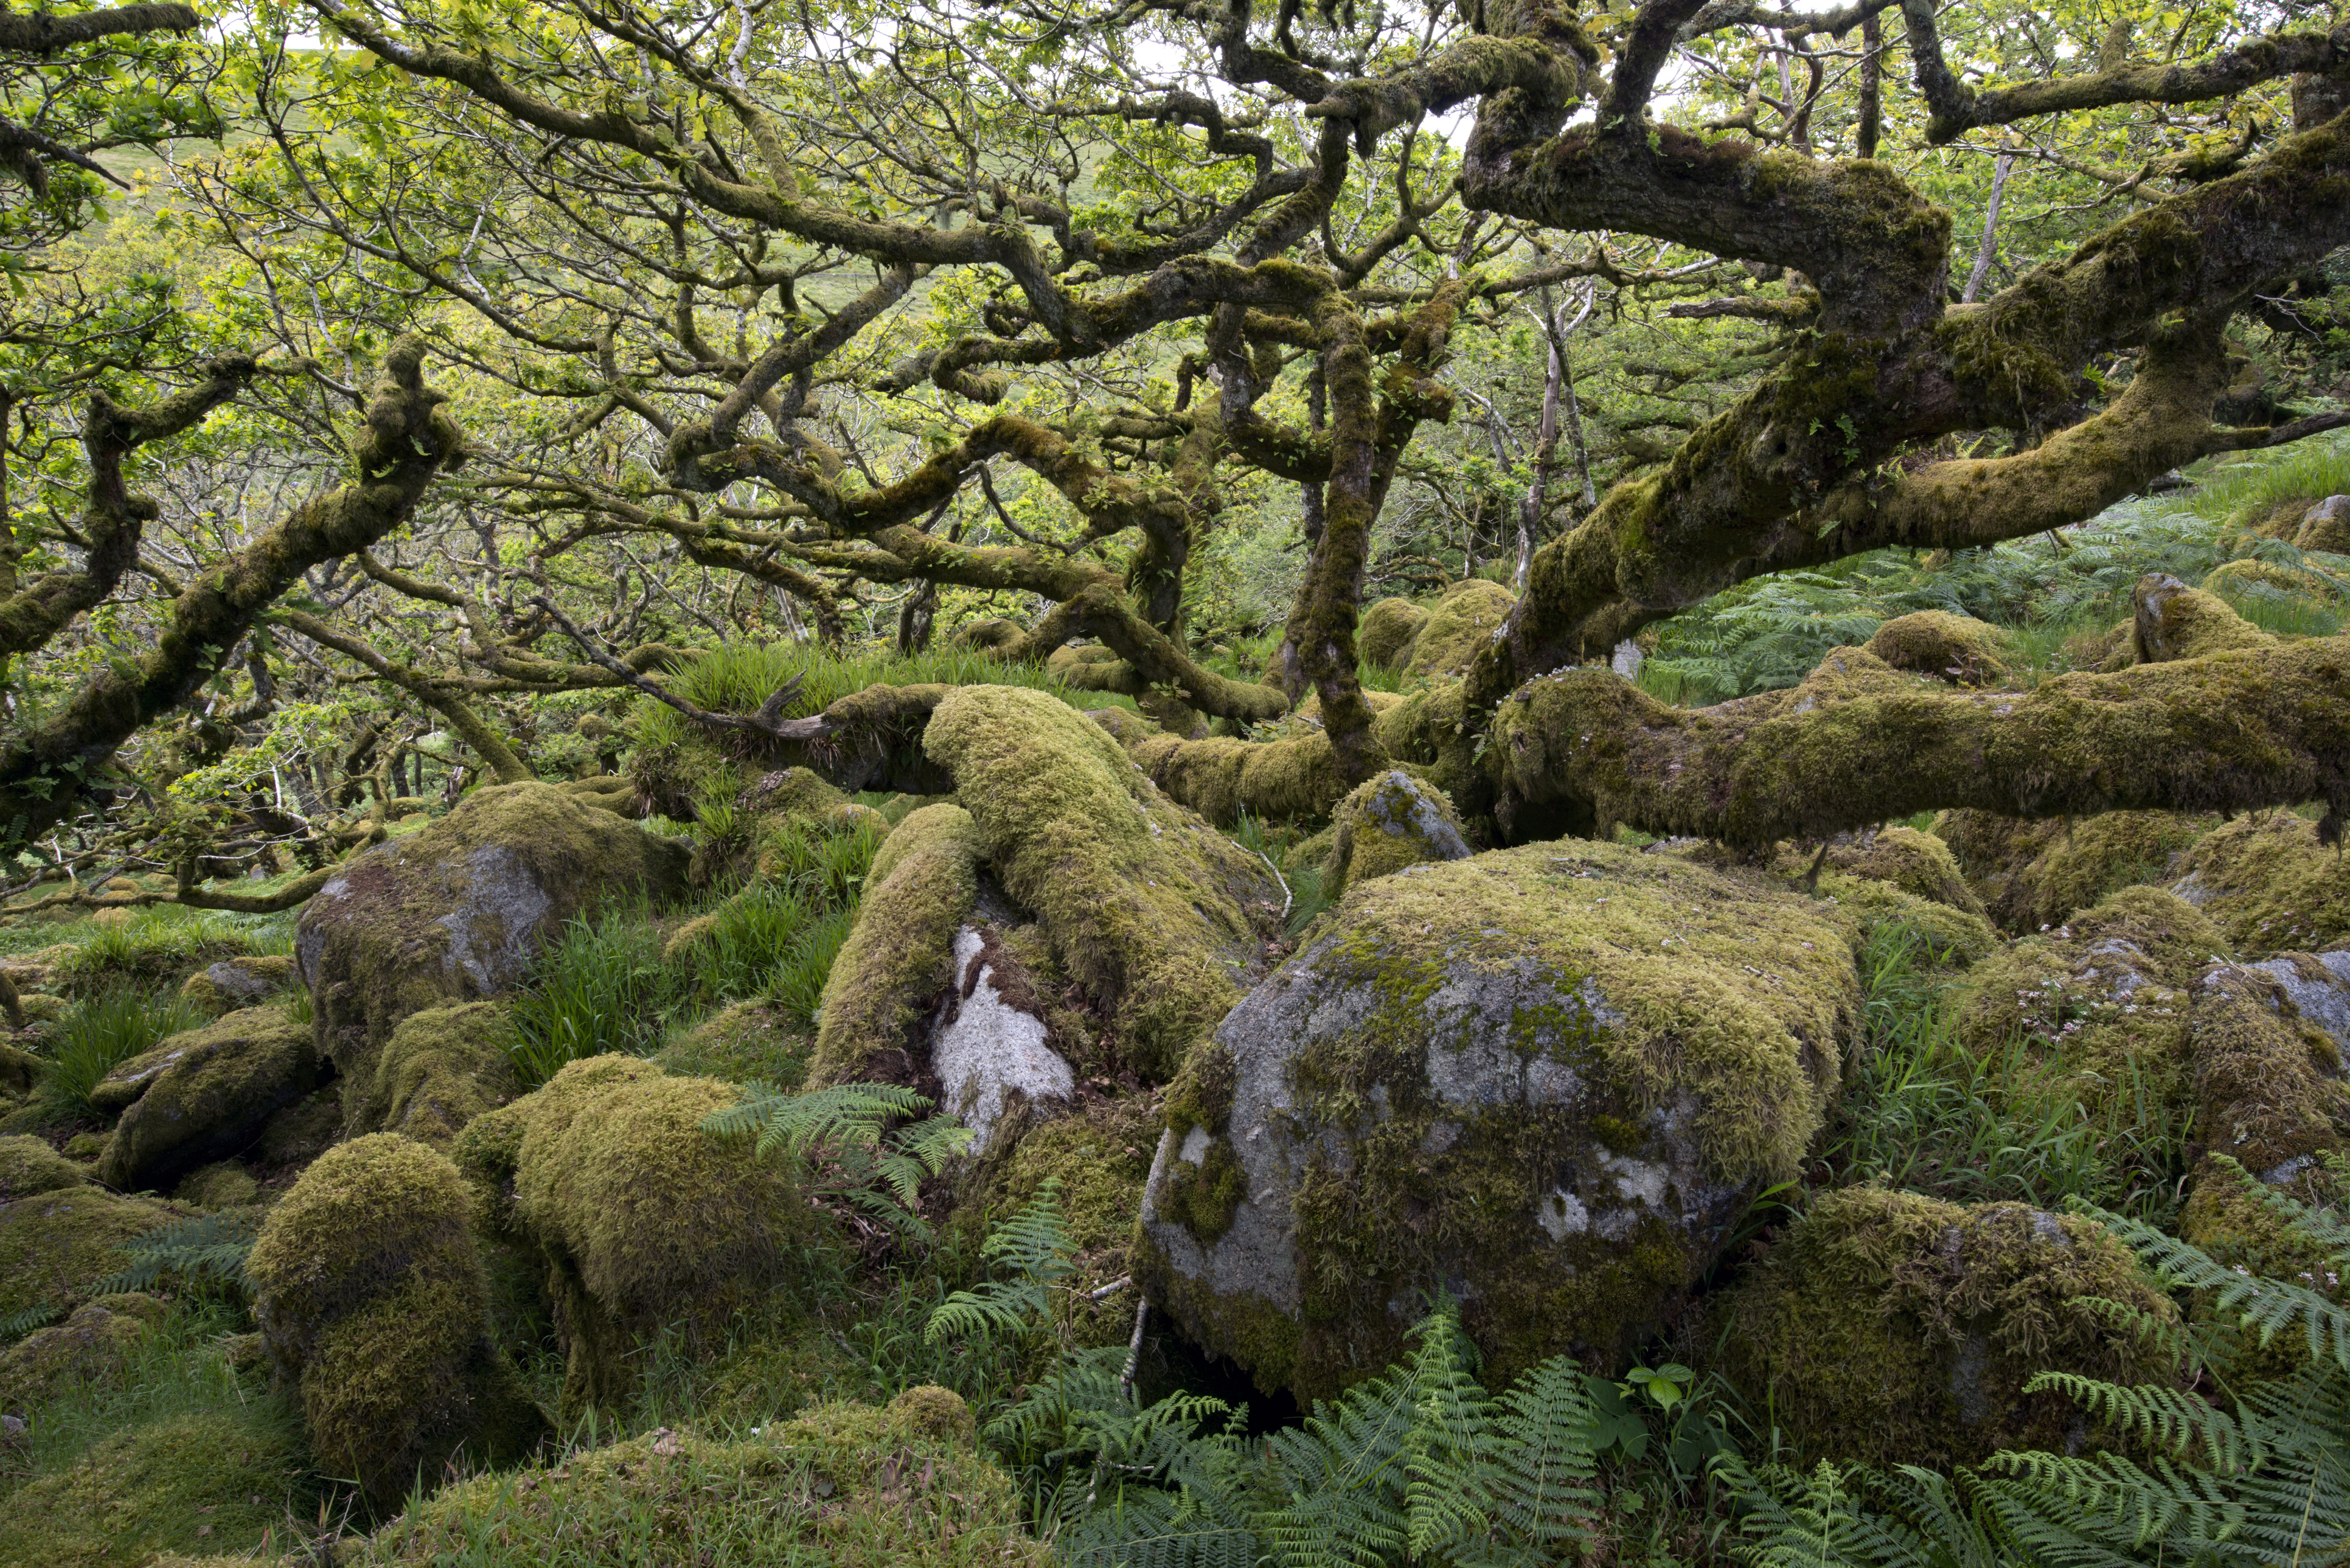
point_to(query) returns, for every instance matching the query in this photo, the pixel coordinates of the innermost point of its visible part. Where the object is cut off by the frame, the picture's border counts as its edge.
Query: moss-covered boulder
(1545, 1078)
(2032, 874)
(457, 912)
(2101, 1002)
(2269, 1082)
(2175, 621)
(899, 959)
(239, 982)
(1154, 914)
(1914, 862)
(1385, 635)
(19, 1072)
(1385, 823)
(28, 1165)
(846, 1484)
(2267, 882)
(1100, 1156)
(1954, 648)
(223, 1184)
(739, 1042)
(645, 1222)
(1463, 620)
(441, 1068)
(203, 1095)
(90, 1348)
(1939, 935)
(1888, 1327)
(56, 1246)
(2326, 526)
(374, 1306)
(219, 1482)
(303, 1130)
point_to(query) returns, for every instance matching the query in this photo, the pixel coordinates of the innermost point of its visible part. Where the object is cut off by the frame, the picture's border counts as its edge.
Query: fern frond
(206, 1249)
(792, 1124)
(1796, 1520)
(2269, 1307)
(15, 1325)
(1446, 1462)
(1035, 1245)
(2161, 1418)
(1540, 1464)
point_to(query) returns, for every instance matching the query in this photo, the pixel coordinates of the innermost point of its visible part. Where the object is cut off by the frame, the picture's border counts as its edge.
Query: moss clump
(1914, 862)
(645, 1221)
(203, 1095)
(1460, 626)
(846, 1484)
(88, 1348)
(1155, 913)
(739, 1043)
(899, 956)
(1545, 1078)
(210, 1481)
(1893, 1328)
(54, 1245)
(226, 1185)
(458, 913)
(28, 1166)
(2268, 884)
(1954, 648)
(2103, 1001)
(1386, 633)
(441, 1068)
(1949, 938)
(1385, 823)
(2034, 874)
(1277, 780)
(374, 1306)
(2269, 1084)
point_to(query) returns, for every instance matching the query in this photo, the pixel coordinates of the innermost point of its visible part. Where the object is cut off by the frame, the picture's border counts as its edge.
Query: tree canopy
(444, 374)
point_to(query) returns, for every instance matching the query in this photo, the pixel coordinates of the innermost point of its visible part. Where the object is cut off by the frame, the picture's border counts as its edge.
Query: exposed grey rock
(987, 1045)
(2318, 985)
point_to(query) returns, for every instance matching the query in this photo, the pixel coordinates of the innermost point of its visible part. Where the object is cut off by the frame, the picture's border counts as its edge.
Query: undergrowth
(101, 1032)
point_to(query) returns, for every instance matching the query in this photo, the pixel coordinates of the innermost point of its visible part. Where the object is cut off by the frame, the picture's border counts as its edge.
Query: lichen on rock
(1387, 823)
(1545, 1078)
(458, 913)
(1892, 1328)
(373, 1303)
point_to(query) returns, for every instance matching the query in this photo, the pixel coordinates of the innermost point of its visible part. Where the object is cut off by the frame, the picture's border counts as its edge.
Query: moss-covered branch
(405, 441)
(1859, 743)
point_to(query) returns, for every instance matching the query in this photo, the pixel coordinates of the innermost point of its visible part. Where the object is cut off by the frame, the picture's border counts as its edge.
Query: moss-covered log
(1860, 743)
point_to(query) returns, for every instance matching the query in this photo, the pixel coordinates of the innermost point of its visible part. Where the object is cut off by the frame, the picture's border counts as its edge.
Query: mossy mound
(2267, 883)
(743, 1041)
(2101, 1002)
(1385, 635)
(224, 1184)
(1944, 937)
(441, 1068)
(1914, 862)
(457, 912)
(1385, 823)
(28, 1165)
(203, 1095)
(1154, 913)
(56, 1245)
(1545, 1078)
(210, 1481)
(2175, 621)
(2326, 526)
(374, 1306)
(1459, 625)
(1889, 1328)
(1954, 648)
(239, 982)
(846, 1485)
(2033, 874)
(899, 959)
(2269, 1082)
(645, 1221)
(88, 1348)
